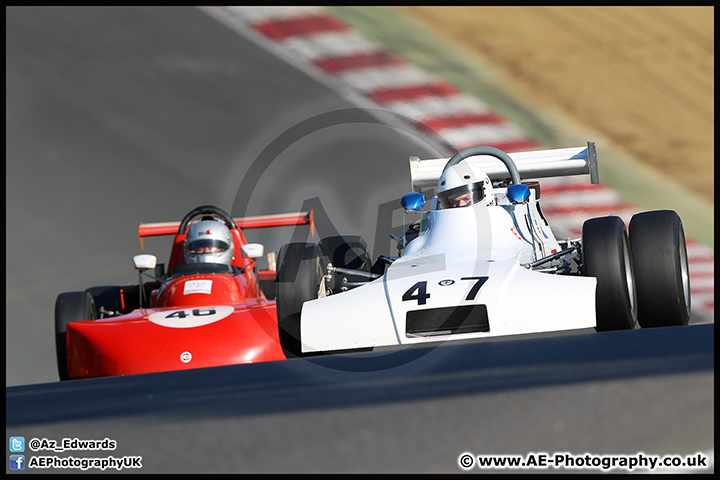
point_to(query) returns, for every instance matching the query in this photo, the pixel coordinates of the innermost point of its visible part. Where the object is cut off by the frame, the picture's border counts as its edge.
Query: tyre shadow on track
(340, 381)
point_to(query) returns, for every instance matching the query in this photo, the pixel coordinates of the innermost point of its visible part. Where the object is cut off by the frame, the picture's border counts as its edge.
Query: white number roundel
(190, 317)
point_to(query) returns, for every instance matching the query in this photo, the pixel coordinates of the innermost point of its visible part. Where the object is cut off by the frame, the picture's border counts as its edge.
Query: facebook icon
(17, 462)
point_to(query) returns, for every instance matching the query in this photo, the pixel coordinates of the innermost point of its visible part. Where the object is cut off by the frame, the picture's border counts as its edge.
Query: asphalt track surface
(117, 116)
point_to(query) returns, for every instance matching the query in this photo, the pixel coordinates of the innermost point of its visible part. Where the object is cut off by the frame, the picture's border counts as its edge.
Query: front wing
(174, 338)
(440, 300)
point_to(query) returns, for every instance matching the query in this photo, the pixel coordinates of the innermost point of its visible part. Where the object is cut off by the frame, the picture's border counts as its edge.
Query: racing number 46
(197, 312)
(419, 290)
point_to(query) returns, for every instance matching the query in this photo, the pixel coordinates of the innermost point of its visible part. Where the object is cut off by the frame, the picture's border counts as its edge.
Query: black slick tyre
(69, 307)
(299, 272)
(660, 261)
(606, 255)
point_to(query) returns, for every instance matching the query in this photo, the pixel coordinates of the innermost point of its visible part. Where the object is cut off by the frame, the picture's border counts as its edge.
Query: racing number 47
(479, 282)
(421, 296)
(419, 290)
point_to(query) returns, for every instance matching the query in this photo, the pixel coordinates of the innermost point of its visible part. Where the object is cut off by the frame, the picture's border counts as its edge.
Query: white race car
(483, 262)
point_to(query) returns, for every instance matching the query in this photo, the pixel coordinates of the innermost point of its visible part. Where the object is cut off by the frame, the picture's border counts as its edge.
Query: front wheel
(345, 251)
(660, 260)
(70, 307)
(107, 299)
(299, 272)
(606, 255)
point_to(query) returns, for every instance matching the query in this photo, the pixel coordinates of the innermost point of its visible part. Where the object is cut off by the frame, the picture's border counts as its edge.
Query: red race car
(211, 308)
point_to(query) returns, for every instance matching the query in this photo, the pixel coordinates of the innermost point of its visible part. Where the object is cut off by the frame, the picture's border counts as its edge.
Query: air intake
(447, 321)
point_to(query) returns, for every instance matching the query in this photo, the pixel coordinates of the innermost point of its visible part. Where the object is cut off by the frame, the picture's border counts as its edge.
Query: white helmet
(209, 241)
(464, 184)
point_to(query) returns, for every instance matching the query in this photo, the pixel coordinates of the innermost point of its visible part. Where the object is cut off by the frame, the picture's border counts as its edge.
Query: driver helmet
(209, 241)
(463, 185)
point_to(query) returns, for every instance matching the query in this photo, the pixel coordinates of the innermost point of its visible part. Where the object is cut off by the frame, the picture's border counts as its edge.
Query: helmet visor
(462, 196)
(206, 245)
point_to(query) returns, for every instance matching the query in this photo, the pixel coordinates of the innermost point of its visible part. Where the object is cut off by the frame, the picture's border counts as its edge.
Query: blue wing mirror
(518, 193)
(413, 201)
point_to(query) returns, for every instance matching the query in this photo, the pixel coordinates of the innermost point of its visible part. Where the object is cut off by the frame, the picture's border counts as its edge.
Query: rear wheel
(299, 272)
(607, 256)
(660, 261)
(69, 307)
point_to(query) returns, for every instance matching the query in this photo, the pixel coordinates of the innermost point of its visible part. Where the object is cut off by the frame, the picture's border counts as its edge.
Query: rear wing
(531, 165)
(260, 221)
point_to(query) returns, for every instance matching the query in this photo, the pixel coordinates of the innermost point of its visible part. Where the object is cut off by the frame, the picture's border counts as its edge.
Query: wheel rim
(685, 274)
(629, 278)
(322, 289)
